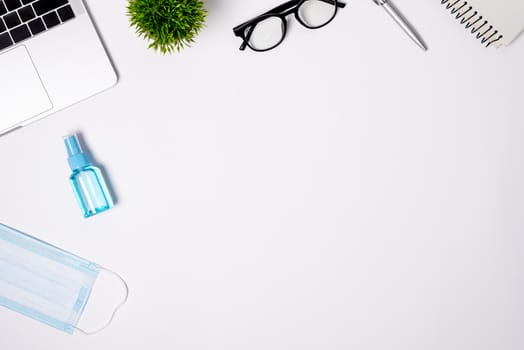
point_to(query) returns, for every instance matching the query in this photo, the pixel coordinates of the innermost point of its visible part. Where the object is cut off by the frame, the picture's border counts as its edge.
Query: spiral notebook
(494, 22)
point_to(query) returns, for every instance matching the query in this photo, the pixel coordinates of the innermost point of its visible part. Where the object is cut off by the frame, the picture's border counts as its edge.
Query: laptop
(50, 57)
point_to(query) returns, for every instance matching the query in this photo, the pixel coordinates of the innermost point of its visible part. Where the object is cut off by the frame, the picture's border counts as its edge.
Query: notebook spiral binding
(467, 15)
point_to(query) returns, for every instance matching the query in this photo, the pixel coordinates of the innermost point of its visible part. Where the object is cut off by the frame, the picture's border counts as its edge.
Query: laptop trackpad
(22, 95)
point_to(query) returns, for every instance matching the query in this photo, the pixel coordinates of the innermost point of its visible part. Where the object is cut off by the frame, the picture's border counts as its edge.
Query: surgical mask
(46, 283)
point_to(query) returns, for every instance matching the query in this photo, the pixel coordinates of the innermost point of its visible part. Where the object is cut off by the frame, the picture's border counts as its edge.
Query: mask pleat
(42, 281)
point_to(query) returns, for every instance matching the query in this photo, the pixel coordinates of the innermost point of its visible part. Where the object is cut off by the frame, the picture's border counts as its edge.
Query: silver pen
(402, 22)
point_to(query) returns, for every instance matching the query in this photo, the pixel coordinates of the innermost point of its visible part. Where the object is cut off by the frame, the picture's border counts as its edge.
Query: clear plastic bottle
(87, 181)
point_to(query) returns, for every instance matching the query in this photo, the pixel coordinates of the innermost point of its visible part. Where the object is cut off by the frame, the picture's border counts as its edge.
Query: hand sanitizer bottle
(87, 181)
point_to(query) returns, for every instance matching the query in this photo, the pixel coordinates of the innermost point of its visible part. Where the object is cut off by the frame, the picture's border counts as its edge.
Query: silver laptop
(50, 58)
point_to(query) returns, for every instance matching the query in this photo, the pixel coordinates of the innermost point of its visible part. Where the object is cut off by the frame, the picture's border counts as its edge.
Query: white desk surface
(345, 191)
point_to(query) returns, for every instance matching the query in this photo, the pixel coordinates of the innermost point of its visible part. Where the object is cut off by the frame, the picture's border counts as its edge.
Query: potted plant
(168, 25)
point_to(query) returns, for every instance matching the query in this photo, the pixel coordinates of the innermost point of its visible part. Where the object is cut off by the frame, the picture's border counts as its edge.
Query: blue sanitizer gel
(87, 181)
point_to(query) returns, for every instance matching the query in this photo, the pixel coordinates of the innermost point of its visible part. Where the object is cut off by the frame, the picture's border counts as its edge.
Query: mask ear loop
(116, 308)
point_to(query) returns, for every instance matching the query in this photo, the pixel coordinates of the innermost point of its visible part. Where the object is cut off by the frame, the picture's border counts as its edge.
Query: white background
(344, 191)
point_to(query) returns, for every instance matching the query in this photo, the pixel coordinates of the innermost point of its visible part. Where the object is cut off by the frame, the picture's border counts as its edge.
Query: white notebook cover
(504, 17)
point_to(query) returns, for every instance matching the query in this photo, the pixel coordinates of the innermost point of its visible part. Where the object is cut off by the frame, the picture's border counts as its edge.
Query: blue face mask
(44, 282)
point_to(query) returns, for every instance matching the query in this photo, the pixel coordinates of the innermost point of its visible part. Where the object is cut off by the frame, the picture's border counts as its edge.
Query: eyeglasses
(268, 30)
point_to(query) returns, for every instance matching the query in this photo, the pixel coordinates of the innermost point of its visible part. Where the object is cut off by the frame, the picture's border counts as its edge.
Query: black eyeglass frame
(281, 11)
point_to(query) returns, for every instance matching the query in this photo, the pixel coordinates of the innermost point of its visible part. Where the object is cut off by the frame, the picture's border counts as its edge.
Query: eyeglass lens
(270, 31)
(267, 33)
(316, 13)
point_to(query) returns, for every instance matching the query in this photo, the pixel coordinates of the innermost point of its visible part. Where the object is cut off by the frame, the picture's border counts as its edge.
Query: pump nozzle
(76, 157)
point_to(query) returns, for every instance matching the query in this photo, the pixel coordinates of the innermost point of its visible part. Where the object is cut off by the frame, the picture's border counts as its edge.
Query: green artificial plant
(168, 24)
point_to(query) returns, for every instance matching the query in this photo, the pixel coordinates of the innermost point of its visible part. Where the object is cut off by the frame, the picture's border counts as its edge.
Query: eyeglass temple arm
(245, 38)
(339, 4)
(287, 5)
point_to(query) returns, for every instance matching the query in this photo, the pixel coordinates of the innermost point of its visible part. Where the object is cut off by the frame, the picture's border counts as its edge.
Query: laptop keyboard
(22, 19)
